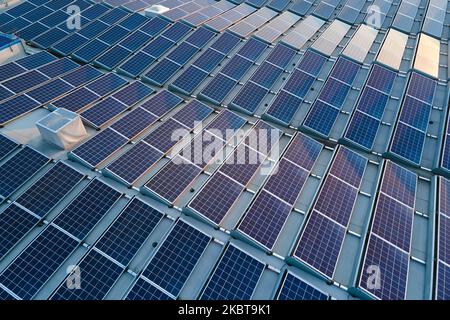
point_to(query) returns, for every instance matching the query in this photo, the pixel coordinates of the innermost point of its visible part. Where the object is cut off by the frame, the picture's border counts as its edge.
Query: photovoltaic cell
(133, 93)
(137, 64)
(50, 189)
(189, 80)
(234, 278)
(250, 96)
(20, 168)
(99, 275)
(216, 197)
(129, 231)
(106, 84)
(219, 87)
(284, 107)
(299, 83)
(323, 233)
(394, 262)
(104, 111)
(143, 290)
(76, 100)
(163, 138)
(84, 212)
(162, 103)
(252, 49)
(294, 288)
(312, 62)
(135, 162)
(82, 75)
(225, 43)
(281, 55)
(100, 147)
(46, 254)
(236, 67)
(399, 183)
(15, 223)
(266, 75)
(6, 146)
(192, 113)
(134, 123)
(303, 151)
(176, 258)
(349, 166)
(16, 107)
(209, 60)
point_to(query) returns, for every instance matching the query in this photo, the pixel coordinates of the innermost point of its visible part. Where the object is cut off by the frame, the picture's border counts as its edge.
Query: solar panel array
(158, 95)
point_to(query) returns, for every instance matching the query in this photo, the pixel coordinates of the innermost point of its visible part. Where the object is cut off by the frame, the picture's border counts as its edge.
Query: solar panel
(183, 53)
(99, 275)
(162, 72)
(128, 232)
(324, 233)
(133, 21)
(284, 107)
(46, 254)
(191, 114)
(158, 47)
(5, 296)
(293, 288)
(135, 40)
(408, 143)
(134, 123)
(249, 97)
(166, 135)
(381, 78)
(143, 290)
(50, 189)
(345, 70)
(47, 39)
(90, 51)
(103, 112)
(252, 49)
(136, 64)
(312, 62)
(443, 276)
(154, 26)
(133, 93)
(162, 103)
(6, 146)
(106, 84)
(113, 57)
(265, 219)
(216, 197)
(237, 67)
(114, 15)
(176, 258)
(49, 91)
(10, 70)
(170, 182)
(394, 262)
(35, 60)
(281, 55)
(200, 37)
(334, 92)
(25, 81)
(32, 31)
(393, 222)
(209, 60)
(135, 162)
(5, 93)
(177, 31)
(84, 212)
(15, 223)
(321, 117)
(266, 75)
(76, 100)
(97, 149)
(19, 169)
(399, 183)
(82, 75)
(226, 120)
(421, 87)
(218, 88)
(16, 107)
(189, 80)
(415, 113)
(349, 166)
(234, 278)
(225, 43)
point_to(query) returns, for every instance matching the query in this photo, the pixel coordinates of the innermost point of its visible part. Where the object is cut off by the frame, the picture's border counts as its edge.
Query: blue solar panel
(266, 75)
(58, 67)
(50, 91)
(134, 123)
(114, 15)
(129, 231)
(443, 278)
(415, 113)
(10, 70)
(321, 117)
(103, 112)
(82, 75)
(90, 51)
(176, 258)
(89, 31)
(113, 35)
(99, 275)
(209, 60)
(281, 55)
(421, 87)
(183, 53)
(345, 70)
(381, 78)
(320, 243)
(250, 97)
(234, 278)
(154, 26)
(299, 83)
(20, 168)
(49, 38)
(158, 47)
(372, 102)
(334, 92)
(136, 64)
(200, 37)
(252, 49)
(106, 84)
(166, 135)
(216, 197)
(5, 93)
(349, 166)
(189, 80)
(408, 143)
(265, 219)
(69, 44)
(113, 57)
(135, 162)
(133, 21)
(16, 107)
(192, 113)
(32, 31)
(100, 147)
(226, 43)
(6, 146)
(46, 254)
(294, 288)
(5, 296)
(133, 93)
(76, 100)
(143, 290)
(162, 72)
(50, 189)
(135, 40)
(177, 31)
(394, 262)
(362, 130)
(218, 88)
(84, 212)
(162, 103)
(25, 81)
(35, 60)
(15, 223)
(399, 183)
(284, 107)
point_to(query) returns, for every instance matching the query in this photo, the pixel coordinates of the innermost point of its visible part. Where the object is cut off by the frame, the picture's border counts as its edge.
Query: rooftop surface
(349, 202)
